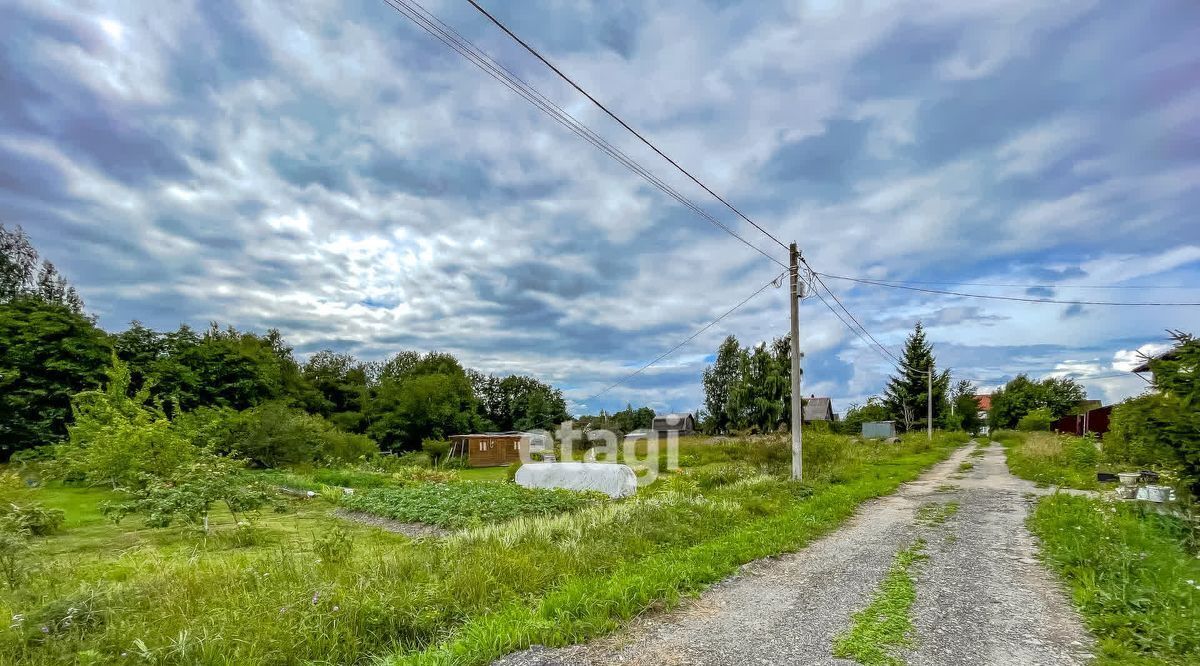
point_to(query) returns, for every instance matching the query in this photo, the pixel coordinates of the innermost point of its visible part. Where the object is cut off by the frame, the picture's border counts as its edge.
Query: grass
(936, 513)
(1134, 575)
(965, 467)
(456, 505)
(1052, 460)
(483, 474)
(887, 622)
(168, 596)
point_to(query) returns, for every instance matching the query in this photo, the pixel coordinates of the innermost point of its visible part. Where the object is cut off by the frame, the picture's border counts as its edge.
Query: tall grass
(1133, 573)
(465, 599)
(1052, 459)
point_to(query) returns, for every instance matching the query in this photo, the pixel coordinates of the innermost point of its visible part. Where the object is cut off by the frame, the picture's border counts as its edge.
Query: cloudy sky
(327, 168)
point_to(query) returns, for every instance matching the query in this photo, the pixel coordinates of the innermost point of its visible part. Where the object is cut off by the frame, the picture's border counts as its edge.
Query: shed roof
(818, 409)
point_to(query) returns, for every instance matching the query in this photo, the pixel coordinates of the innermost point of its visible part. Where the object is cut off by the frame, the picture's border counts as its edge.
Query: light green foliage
(465, 503)
(188, 493)
(1134, 576)
(438, 449)
(420, 397)
(118, 440)
(548, 580)
(274, 435)
(887, 623)
(1037, 420)
(1051, 459)
(334, 547)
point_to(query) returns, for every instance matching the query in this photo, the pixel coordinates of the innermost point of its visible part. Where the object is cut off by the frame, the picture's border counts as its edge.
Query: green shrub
(1136, 431)
(334, 547)
(274, 435)
(510, 472)
(437, 449)
(1038, 420)
(32, 518)
(456, 505)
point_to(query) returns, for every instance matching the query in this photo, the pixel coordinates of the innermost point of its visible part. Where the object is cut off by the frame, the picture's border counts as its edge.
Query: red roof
(985, 402)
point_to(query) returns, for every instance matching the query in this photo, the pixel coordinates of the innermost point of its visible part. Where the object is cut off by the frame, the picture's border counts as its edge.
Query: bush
(438, 449)
(274, 435)
(1038, 420)
(1135, 433)
(335, 547)
(511, 471)
(32, 518)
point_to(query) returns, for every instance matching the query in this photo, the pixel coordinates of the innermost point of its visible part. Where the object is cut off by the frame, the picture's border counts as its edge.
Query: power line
(1041, 286)
(441, 31)
(693, 336)
(1019, 299)
(614, 116)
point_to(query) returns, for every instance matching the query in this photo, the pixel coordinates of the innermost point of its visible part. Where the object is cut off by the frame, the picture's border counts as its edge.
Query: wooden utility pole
(797, 401)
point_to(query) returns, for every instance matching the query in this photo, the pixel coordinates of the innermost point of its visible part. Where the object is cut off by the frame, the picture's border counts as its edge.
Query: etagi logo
(646, 453)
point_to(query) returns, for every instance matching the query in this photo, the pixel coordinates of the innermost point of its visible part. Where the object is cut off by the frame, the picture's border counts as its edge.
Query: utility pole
(797, 400)
(929, 394)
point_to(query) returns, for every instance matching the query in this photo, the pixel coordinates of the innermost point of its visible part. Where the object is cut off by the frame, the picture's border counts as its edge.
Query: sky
(326, 168)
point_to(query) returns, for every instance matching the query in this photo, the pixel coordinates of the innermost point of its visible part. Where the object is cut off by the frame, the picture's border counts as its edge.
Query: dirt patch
(414, 530)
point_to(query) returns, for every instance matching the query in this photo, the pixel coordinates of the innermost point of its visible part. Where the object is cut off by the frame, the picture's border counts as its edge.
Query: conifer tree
(906, 394)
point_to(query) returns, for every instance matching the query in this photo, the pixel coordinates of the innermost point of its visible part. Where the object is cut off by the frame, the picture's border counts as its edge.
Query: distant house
(680, 424)
(818, 409)
(984, 400)
(493, 449)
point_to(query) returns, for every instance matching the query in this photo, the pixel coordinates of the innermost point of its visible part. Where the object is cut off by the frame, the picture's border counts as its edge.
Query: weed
(887, 622)
(1135, 581)
(465, 503)
(966, 467)
(1049, 459)
(335, 547)
(946, 488)
(936, 513)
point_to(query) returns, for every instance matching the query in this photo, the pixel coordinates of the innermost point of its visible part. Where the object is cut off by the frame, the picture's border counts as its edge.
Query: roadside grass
(946, 488)
(966, 467)
(887, 623)
(169, 596)
(1133, 575)
(1050, 459)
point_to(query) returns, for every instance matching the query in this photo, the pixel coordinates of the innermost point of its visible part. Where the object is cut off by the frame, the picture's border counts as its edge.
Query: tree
(517, 402)
(49, 353)
(1021, 395)
(119, 440)
(188, 493)
(1168, 420)
(719, 381)
(273, 435)
(426, 397)
(906, 395)
(342, 383)
(20, 276)
(964, 408)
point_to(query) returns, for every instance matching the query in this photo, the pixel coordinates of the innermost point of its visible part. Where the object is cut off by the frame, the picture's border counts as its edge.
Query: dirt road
(981, 597)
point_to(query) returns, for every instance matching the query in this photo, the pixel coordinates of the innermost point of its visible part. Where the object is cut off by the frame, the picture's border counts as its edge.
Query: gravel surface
(982, 598)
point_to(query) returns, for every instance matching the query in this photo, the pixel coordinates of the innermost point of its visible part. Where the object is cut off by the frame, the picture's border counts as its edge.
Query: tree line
(54, 352)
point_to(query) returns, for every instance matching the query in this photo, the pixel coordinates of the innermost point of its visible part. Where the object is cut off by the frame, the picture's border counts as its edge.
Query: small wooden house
(680, 424)
(493, 449)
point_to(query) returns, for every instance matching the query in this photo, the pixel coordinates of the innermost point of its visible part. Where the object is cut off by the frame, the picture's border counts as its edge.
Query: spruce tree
(906, 394)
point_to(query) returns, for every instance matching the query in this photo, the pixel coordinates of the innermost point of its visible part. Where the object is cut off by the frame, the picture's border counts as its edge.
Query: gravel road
(982, 598)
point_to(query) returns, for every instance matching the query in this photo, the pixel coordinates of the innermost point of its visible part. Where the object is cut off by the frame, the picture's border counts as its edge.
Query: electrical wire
(617, 118)
(1041, 286)
(893, 285)
(441, 31)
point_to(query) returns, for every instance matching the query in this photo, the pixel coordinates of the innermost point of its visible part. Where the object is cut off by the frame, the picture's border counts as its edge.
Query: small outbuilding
(818, 409)
(494, 449)
(878, 429)
(680, 424)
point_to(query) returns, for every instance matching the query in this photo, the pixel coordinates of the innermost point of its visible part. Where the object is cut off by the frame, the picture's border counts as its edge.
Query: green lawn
(484, 474)
(100, 593)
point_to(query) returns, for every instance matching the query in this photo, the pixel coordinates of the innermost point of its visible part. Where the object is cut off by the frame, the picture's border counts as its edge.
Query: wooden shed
(493, 449)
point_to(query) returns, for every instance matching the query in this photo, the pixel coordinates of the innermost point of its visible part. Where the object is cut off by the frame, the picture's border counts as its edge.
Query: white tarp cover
(609, 478)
